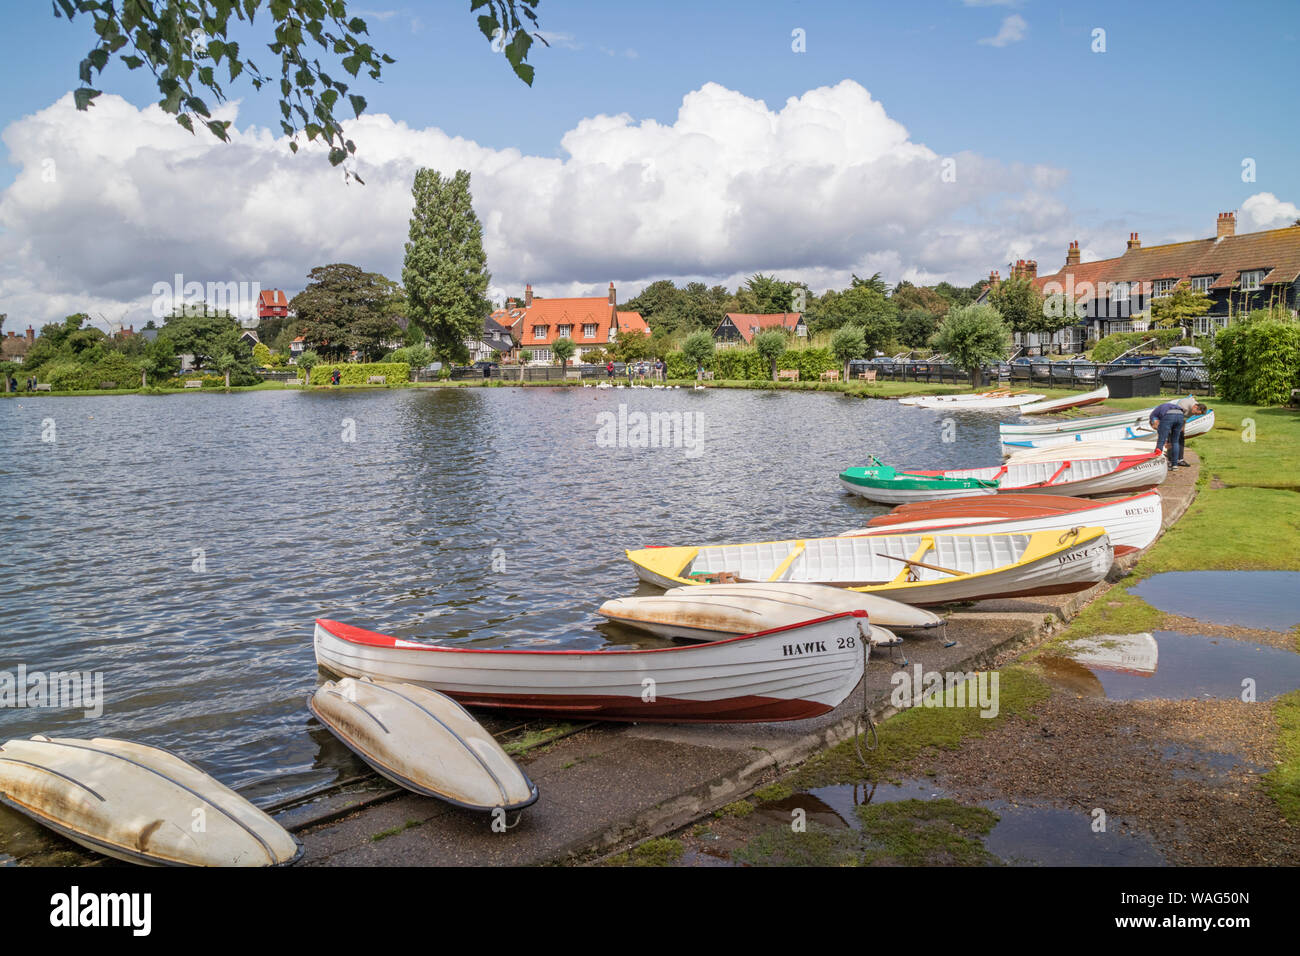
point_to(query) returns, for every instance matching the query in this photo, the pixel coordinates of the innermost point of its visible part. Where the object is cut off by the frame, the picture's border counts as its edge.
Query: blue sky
(1150, 135)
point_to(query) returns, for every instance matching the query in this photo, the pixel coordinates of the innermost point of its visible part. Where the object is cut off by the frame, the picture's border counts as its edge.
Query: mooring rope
(865, 716)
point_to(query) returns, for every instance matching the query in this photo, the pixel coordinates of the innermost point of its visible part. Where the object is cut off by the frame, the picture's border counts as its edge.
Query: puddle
(1179, 667)
(1049, 836)
(1024, 835)
(1267, 600)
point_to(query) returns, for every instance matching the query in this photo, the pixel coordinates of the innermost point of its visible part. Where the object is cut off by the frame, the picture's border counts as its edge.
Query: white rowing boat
(1081, 450)
(1135, 432)
(829, 600)
(979, 402)
(1132, 523)
(424, 741)
(137, 803)
(1060, 474)
(710, 617)
(787, 673)
(919, 568)
(1069, 401)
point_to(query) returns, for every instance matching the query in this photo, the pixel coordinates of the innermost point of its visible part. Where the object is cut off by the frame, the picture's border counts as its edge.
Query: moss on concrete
(1283, 781)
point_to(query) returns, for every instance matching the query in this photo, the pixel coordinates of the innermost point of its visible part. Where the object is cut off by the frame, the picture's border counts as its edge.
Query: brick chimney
(528, 296)
(1133, 241)
(994, 279)
(31, 334)
(1030, 270)
(613, 300)
(1072, 254)
(510, 303)
(1227, 225)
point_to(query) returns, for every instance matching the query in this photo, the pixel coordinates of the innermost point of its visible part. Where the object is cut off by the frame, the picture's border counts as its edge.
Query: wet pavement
(1253, 599)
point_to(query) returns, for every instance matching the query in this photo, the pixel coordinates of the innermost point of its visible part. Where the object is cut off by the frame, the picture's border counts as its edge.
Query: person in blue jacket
(1169, 421)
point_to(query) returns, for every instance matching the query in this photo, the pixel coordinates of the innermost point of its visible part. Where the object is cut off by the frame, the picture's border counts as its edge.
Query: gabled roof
(272, 298)
(1276, 251)
(748, 324)
(632, 322)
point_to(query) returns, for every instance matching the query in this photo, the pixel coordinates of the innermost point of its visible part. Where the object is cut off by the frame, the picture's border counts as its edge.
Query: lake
(182, 545)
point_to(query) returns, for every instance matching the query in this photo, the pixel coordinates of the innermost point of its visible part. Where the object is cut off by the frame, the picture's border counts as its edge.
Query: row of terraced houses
(1237, 272)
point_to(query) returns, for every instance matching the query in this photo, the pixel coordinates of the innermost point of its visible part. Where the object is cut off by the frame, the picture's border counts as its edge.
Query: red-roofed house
(739, 328)
(591, 323)
(1238, 272)
(272, 304)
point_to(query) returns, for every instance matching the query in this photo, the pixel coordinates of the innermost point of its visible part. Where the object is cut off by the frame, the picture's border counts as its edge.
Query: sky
(932, 140)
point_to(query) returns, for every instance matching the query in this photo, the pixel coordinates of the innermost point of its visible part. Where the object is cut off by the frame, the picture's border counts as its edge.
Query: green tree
(1021, 307)
(308, 360)
(563, 349)
(861, 304)
(847, 344)
(769, 346)
(343, 308)
(262, 355)
(198, 331)
(226, 363)
(187, 45)
(764, 294)
(915, 326)
(632, 346)
(158, 361)
(698, 349)
(445, 272)
(971, 336)
(525, 356)
(1180, 307)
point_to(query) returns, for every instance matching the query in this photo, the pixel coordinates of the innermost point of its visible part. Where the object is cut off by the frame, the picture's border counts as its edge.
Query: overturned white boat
(1022, 429)
(979, 402)
(137, 803)
(1065, 402)
(711, 617)
(1135, 432)
(881, 611)
(424, 741)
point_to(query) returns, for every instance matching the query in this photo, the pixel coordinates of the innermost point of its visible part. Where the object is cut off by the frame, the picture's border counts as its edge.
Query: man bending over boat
(1169, 420)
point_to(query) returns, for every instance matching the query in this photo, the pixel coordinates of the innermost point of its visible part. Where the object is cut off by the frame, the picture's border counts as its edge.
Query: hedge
(746, 365)
(1257, 362)
(356, 373)
(1116, 344)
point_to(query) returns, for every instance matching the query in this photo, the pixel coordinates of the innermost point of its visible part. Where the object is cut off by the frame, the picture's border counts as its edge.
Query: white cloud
(826, 185)
(1266, 211)
(1012, 31)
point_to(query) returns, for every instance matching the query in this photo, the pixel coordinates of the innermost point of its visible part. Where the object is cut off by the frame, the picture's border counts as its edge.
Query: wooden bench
(868, 375)
(573, 375)
(706, 376)
(44, 387)
(377, 380)
(194, 383)
(831, 375)
(792, 374)
(107, 386)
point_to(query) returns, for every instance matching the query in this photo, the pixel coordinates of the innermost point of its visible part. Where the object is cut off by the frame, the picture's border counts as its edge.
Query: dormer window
(540, 331)
(589, 330)
(1252, 281)
(565, 331)
(1162, 287)
(1202, 283)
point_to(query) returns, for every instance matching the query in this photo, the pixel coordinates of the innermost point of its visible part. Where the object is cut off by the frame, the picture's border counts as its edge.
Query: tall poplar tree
(445, 272)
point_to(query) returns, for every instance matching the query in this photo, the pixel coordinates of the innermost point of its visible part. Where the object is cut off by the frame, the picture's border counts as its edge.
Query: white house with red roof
(590, 323)
(739, 328)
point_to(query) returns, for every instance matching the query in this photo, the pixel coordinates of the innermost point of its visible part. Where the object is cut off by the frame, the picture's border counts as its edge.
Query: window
(1202, 283)
(541, 355)
(565, 331)
(1119, 291)
(540, 331)
(589, 330)
(1162, 287)
(1252, 281)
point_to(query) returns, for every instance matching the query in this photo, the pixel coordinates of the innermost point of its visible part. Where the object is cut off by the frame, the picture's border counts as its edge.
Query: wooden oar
(921, 564)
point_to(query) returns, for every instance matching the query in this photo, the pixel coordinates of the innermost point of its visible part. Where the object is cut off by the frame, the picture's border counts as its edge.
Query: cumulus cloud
(1266, 211)
(106, 204)
(1012, 31)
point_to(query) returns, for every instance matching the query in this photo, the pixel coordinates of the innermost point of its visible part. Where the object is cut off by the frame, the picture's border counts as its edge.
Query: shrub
(356, 373)
(1116, 344)
(971, 336)
(1257, 362)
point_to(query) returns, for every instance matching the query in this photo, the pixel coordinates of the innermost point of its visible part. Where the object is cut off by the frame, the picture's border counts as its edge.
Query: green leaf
(358, 104)
(83, 97)
(337, 156)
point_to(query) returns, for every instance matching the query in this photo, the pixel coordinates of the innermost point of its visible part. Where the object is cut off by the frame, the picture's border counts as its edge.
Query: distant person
(609, 370)
(13, 384)
(335, 377)
(1169, 420)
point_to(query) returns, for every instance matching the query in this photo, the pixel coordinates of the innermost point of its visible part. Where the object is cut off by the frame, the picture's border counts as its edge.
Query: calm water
(1260, 599)
(472, 515)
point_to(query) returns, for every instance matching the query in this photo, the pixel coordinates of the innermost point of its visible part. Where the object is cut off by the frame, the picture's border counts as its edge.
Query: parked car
(1077, 369)
(1176, 370)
